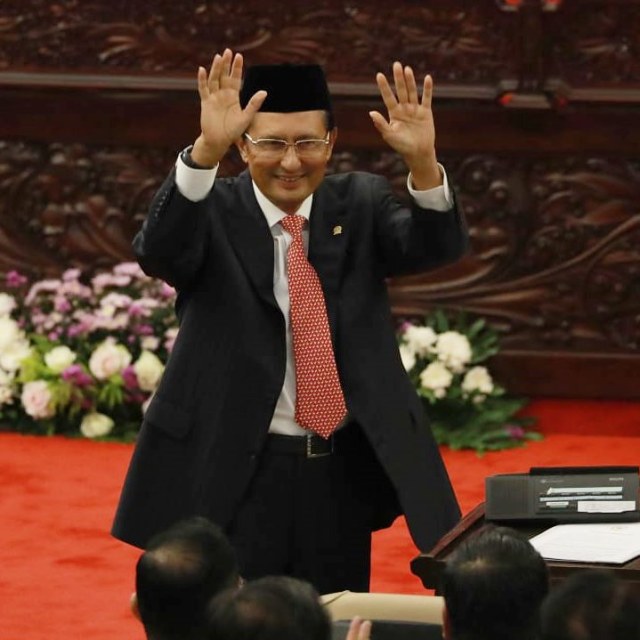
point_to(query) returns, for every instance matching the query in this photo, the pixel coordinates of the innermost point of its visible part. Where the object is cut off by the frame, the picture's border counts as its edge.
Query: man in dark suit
(224, 436)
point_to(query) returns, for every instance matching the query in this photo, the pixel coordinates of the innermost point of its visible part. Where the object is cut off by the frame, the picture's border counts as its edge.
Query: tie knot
(293, 223)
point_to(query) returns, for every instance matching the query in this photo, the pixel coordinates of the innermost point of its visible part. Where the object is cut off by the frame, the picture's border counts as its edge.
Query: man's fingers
(255, 103)
(226, 64)
(399, 80)
(378, 121)
(427, 91)
(365, 630)
(359, 629)
(410, 83)
(203, 88)
(388, 97)
(213, 80)
(236, 68)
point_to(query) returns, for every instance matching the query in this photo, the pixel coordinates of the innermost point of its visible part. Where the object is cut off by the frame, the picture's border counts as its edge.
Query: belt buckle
(323, 454)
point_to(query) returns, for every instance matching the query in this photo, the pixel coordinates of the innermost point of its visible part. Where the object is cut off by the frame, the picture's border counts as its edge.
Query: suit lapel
(328, 237)
(251, 237)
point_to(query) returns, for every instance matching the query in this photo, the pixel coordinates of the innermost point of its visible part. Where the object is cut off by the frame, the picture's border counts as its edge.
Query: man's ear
(241, 145)
(333, 136)
(446, 623)
(133, 605)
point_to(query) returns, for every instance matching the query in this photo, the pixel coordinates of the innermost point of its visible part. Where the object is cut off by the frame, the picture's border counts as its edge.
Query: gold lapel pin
(337, 230)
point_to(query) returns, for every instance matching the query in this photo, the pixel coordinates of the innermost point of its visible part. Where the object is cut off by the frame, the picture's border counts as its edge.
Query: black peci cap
(289, 87)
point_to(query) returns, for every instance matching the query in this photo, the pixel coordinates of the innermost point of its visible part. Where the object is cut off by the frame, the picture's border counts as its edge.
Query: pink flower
(77, 375)
(36, 399)
(61, 304)
(130, 378)
(144, 330)
(108, 359)
(514, 431)
(71, 274)
(129, 269)
(15, 279)
(167, 291)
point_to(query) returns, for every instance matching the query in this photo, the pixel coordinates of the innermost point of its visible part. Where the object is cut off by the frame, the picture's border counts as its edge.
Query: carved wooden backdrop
(537, 107)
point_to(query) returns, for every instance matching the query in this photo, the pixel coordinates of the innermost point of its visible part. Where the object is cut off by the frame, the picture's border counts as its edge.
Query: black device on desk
(564, 494)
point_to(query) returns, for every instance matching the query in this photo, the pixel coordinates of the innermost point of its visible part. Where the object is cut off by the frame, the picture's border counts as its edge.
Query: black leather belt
(311, 446)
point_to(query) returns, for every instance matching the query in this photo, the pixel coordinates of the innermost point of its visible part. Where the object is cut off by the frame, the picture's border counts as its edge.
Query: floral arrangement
(466, 407)
(83, 356)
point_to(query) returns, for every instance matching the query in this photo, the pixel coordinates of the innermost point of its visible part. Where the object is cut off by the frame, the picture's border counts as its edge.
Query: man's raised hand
(409, 127)
(222, 119)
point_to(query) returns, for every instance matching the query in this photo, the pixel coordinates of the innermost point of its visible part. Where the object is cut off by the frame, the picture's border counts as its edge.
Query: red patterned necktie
(320, 405)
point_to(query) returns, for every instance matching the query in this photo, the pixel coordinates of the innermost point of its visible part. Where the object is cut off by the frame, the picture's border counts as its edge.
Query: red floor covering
(62, 577)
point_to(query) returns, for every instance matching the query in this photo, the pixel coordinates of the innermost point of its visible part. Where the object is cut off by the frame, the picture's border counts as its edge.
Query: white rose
(6, 378)
(149, 369)
(108, 359)
(95, 424)
(13, 355)
(419, 339)
(6, 396)
(477, 379)
(437, 378)
(6, 387)
(36, 399)
(59, 358)
(453, 350)
(9, 332)
(408, 357)
(150, 343)
(7, 304)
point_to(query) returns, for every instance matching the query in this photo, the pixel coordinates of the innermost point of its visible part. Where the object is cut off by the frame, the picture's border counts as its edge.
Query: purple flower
(61, 304)
(137, 310)
(15, 279)
(76, 375)
(167, 291)
(514, 431)
(144, 330)
(129, 269)
(130, 378)
(71, 274)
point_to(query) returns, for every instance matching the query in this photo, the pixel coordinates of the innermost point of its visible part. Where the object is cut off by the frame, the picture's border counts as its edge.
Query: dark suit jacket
(203, 432)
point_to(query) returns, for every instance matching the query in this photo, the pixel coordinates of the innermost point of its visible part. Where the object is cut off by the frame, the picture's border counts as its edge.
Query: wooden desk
(428, 566)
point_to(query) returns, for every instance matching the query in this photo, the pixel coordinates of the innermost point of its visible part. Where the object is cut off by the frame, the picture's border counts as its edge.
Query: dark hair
(592, 605)
(493, 587)
(178, 574)
(272, 608)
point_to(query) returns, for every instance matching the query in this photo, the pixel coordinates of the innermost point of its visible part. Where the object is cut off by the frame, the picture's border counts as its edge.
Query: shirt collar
(273, 214)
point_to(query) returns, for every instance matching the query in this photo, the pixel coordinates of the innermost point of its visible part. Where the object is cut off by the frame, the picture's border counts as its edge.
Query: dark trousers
(309, 517)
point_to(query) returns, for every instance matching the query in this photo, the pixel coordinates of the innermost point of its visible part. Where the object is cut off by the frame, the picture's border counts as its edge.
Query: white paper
(590, 506)
(612, 543)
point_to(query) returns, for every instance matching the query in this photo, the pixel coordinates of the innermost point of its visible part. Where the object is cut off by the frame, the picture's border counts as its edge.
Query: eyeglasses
(274, 148)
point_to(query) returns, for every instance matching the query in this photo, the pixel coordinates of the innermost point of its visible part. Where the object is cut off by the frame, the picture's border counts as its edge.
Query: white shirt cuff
(194, 184)
(438, 198)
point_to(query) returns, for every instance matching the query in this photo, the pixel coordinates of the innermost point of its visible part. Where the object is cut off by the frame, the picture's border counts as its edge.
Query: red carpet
(62, 577)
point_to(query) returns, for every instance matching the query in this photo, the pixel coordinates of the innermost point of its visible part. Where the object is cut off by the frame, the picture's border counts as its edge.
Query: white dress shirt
(195, 184)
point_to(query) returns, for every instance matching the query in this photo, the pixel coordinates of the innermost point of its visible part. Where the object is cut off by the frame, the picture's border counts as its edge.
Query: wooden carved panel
(596, 43)
(467, 40)
(63, 205)
(555, 258)
(536, 107)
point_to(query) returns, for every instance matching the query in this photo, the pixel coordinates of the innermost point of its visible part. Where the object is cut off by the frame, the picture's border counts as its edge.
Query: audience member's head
(272, 608)
(493, 586)
(592, 605)
(178, 574)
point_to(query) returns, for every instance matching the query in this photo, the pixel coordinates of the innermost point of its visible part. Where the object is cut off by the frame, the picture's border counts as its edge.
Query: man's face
(286, 181)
